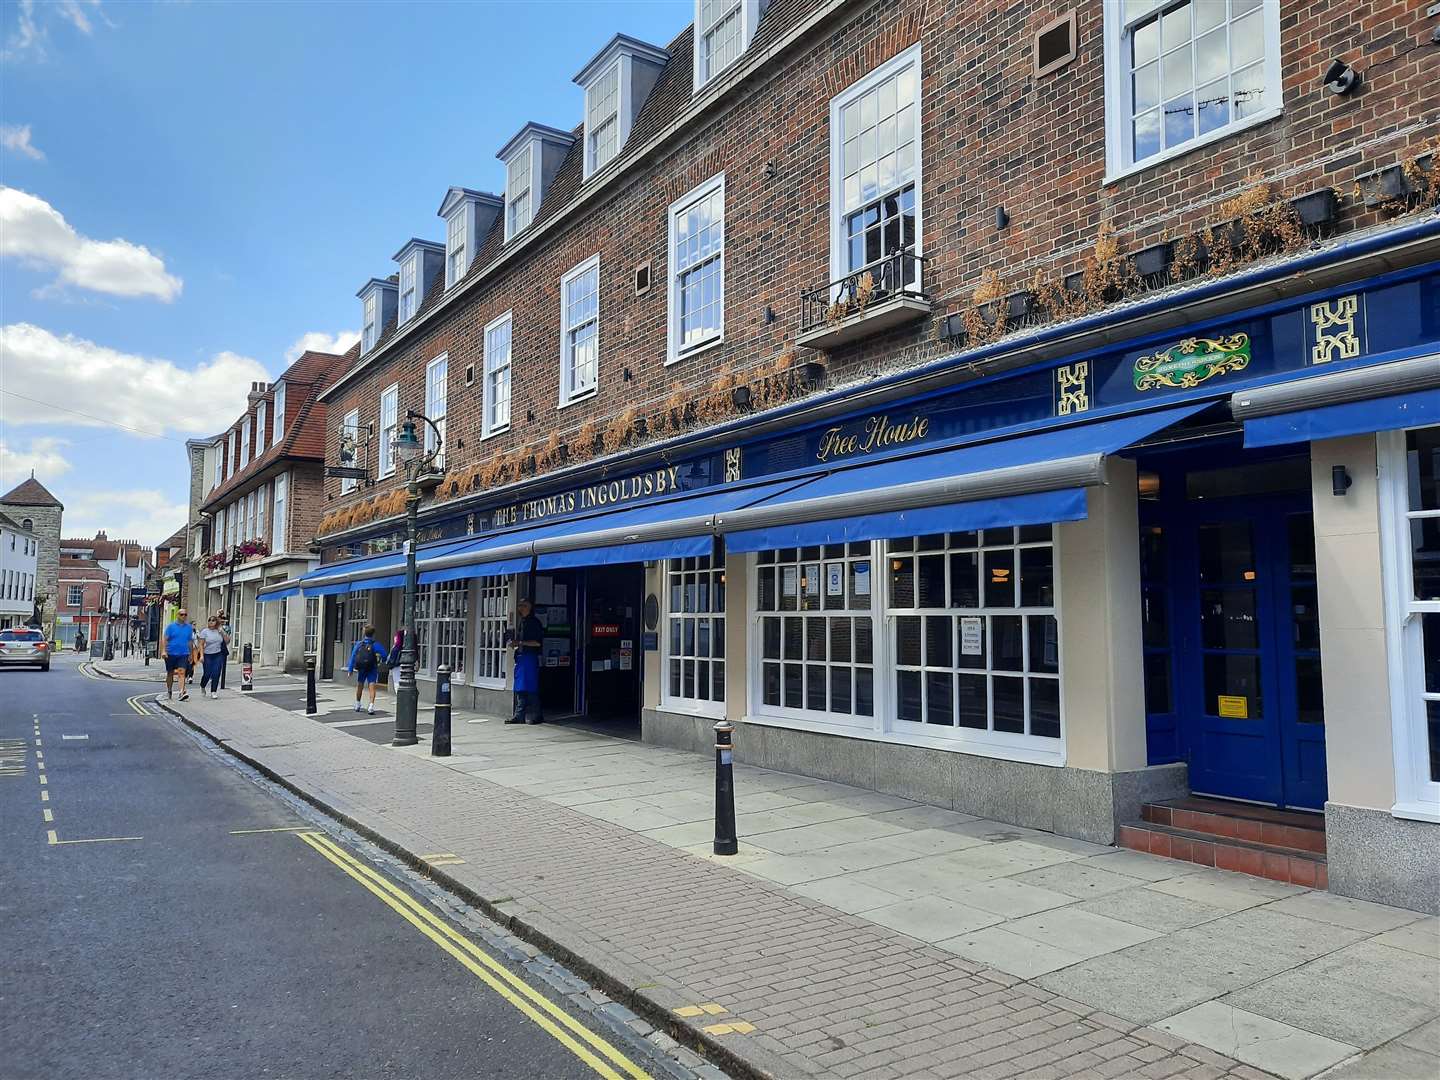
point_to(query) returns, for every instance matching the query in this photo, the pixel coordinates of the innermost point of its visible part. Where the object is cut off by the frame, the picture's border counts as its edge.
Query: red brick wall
(992, 136)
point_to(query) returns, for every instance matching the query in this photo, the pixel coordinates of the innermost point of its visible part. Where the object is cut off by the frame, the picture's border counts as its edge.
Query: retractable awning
(1355, 401)
(1030, 479)
(371, 572)
(279, 594)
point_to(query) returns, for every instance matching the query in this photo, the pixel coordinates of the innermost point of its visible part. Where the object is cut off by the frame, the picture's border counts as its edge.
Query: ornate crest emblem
(1189, 363)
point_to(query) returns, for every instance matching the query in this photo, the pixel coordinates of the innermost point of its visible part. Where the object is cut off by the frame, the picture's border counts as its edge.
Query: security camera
(1341, 78)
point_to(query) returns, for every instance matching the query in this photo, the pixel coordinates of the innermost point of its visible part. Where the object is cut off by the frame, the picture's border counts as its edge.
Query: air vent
(642, 278)
(470, 375)
(1055, 45)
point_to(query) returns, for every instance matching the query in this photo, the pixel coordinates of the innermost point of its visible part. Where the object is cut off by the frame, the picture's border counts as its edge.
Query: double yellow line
(135, 703)
(589, 1047)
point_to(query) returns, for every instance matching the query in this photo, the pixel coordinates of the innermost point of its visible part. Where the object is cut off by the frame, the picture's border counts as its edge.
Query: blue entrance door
(1233, 649)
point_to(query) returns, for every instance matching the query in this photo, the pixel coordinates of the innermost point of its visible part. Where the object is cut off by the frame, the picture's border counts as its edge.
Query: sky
(192, 193)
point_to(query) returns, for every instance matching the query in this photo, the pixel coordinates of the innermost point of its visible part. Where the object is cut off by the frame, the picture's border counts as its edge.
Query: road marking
(43, 781)
(49, 814)
(480, 964)
(735, 1027)
(135, 703)
(64, 737)
(92, 840)
(53, 838)
(282, 828)
(44, 796)
(37, 740)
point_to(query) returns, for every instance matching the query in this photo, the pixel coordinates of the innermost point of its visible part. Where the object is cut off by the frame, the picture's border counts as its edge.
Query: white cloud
(17, 137)
(44, 455)
(146, 394)
(318, 341)
(73, 12)
(30, 38)
(142, 514)
(34, 232)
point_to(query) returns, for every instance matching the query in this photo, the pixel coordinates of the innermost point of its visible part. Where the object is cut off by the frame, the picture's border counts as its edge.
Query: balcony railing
(882, 294)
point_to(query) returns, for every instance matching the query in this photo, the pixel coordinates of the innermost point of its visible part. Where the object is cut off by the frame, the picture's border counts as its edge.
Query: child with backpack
(365, 664)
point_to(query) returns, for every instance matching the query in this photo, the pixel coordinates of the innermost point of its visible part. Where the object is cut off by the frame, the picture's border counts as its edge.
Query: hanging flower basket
(253, 549)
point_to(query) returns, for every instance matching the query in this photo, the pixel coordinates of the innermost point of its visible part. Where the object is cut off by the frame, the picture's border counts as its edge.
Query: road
(166, 913)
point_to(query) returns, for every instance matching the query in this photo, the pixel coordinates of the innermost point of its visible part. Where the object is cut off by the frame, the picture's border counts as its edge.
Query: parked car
(24, 646)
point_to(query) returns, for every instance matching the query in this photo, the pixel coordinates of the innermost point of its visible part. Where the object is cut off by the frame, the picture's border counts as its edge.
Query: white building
(18, 556)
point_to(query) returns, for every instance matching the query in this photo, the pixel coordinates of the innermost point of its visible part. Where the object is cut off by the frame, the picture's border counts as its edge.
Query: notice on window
(834, 579)
(972, 635)
(790, 581)
(862, 579)
(1234, 707)
(543, 592)
(558, 592)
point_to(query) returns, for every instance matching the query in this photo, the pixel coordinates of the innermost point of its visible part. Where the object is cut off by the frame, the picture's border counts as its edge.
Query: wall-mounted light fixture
(770, 170)
(1341, 78)
(769, 314)
(1340, 480)
(1002, 219)
(626, 375)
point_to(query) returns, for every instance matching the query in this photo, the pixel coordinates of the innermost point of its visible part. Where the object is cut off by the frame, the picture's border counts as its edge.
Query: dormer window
(409, 271)
(279, 432)
(616, 83)
(723, 29)
(517, 194)
(378, 302)
(261, 425)
(456, 250)
(602, 120)
(469, 217)
(245, 441)
(532, 158)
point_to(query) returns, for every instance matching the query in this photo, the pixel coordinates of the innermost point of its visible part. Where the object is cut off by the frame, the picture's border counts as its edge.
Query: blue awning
(370, 572)
(326, 590)
(1026, 480)
(1413, 409)
(280, 594)
(642, 551)
(498, 568)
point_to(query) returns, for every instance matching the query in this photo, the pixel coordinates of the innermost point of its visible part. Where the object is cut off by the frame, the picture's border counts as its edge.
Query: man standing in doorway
(527, 667)
(179, 641)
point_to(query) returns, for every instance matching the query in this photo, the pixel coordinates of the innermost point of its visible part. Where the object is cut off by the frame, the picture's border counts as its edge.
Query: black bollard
(725, 840)
(247, 667)
(440, 737)
(310, 707)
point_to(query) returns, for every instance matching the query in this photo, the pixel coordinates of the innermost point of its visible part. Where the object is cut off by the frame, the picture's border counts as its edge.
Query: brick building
(258, 491)
(31, 505)
(126, 564)
(982, 409)
(81, 600)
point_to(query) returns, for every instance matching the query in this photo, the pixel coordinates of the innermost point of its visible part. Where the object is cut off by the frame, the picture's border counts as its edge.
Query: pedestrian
(225, 652)
(527, 643)
(365, 664)
(179, 641)
(397, 649)
(212, 642)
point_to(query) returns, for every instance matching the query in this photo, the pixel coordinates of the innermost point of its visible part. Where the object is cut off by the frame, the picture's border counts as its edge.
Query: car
(24, 646)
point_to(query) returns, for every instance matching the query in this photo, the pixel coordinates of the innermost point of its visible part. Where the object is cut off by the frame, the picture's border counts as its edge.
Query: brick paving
(829, 994)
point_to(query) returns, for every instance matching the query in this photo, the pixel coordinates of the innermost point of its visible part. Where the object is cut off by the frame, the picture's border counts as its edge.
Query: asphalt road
(147, 931)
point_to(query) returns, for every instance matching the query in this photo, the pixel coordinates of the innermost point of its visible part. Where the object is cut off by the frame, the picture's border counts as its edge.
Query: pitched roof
(10, 523)
(30, 493)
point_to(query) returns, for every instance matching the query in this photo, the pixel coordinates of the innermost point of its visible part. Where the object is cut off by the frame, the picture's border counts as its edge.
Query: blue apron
(527, 672)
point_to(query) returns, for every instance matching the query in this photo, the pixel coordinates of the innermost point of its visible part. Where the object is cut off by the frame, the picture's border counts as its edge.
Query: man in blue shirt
(179, 643)
(365, 664)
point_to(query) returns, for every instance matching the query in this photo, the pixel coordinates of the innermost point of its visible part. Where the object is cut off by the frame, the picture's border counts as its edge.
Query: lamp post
(110, 587)
(411, 454)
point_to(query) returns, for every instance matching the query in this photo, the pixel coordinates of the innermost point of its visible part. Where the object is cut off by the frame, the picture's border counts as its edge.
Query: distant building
(34, 509)
(125, 564)
(18, 548)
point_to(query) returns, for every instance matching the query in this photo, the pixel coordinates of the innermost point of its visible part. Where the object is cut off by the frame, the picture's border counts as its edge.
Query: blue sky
(228, 174)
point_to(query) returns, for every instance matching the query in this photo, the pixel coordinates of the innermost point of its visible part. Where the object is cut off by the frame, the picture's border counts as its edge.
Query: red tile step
(1294, 866)
(1241, 821)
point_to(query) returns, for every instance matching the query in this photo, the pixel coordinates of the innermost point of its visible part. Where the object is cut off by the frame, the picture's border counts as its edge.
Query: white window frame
(617, 70)
(278, 431)
(409, 273)
(673, 352)
(369, 329)
(749, 17)
(219, 467)
(493, 617)
(884, 726)
(437, 392)
(357, 617)
(262, 427)
(569, 394)
(1416, 795)
(389, 399)
(245, 441)
(513, 224)
(75, 596)
(311, 643)
(457, 236)
(1119, 153)
(671, 569)
(278, 521)
(230, 453)
(262, 499)
(350, 426)
(492, 367)
(839, 265)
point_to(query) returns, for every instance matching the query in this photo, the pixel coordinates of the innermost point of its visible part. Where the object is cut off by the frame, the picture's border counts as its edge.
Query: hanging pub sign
(1190, 362)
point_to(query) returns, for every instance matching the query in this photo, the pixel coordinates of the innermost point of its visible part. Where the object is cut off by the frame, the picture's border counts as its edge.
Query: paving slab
(1304, 997)
(846, 894)
(1079, 932)
(1426, 1038)
(1368, 964)
(1343, 911)
(1136, 989)
(1259, 1041)
(997, 948)
(931, 918)
(1421, 937)
(1394, 1061)
(1078, 879)
(1010, 897)
(1153, 910)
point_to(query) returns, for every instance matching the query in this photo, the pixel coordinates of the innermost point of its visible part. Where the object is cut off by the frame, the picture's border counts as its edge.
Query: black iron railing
(900, 274)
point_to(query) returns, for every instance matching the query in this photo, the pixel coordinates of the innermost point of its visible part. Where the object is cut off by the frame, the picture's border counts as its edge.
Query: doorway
(1231, 627)
(614, 599)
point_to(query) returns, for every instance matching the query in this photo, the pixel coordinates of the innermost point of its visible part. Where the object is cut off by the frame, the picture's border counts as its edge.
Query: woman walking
(213, 641)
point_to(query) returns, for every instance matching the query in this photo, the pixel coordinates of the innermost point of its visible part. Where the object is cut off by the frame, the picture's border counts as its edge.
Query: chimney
(257, 391)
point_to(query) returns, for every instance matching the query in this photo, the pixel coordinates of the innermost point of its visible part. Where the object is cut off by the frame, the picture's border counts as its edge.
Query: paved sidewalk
(860, 934)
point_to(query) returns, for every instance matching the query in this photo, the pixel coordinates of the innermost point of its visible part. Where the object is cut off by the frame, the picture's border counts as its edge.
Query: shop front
(1195, 561)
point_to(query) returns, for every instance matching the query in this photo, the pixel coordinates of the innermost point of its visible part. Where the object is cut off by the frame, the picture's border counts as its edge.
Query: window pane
(931, 577)
(1045, 708)
(1037, 577)
(1422, 466)
(1227, 619)
(1044, 643)
(972, 701)
(1232, 675)
(937, 640)
(965, 579)
(907, 640)
(907, 696)
(1009, 704)
(1006, 643)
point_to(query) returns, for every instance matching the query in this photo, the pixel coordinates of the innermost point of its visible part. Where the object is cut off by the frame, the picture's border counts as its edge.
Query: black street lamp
(411, 454)
(110, 587)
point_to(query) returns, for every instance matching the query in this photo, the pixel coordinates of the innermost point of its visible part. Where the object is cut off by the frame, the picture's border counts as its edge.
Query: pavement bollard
(310, 707)
(440, 736)
(247, 667)
(725, 840)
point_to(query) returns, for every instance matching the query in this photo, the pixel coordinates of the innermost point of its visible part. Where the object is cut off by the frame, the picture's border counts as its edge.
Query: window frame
(245, 442)
(531, 151)
(219, 468)
(568, 394)
(278, 523)
(489, 630)
(457, 223)
(617, 69)
(71, 597)
(486, 428)
(311, 642)
(749, 17)
(673, 351)
(262, 427)
(385, 460)
(1416, 796)
(1119, 160)
(440, 362)
(369, 332)
(858, 89)
(350, 423)
(409, 274)
(694, 706)
(278, 422)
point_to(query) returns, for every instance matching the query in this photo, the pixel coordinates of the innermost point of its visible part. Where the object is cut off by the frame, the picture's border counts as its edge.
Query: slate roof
(30, 493)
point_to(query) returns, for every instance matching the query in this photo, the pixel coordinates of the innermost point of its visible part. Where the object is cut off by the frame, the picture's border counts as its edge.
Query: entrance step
(1282, 845)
